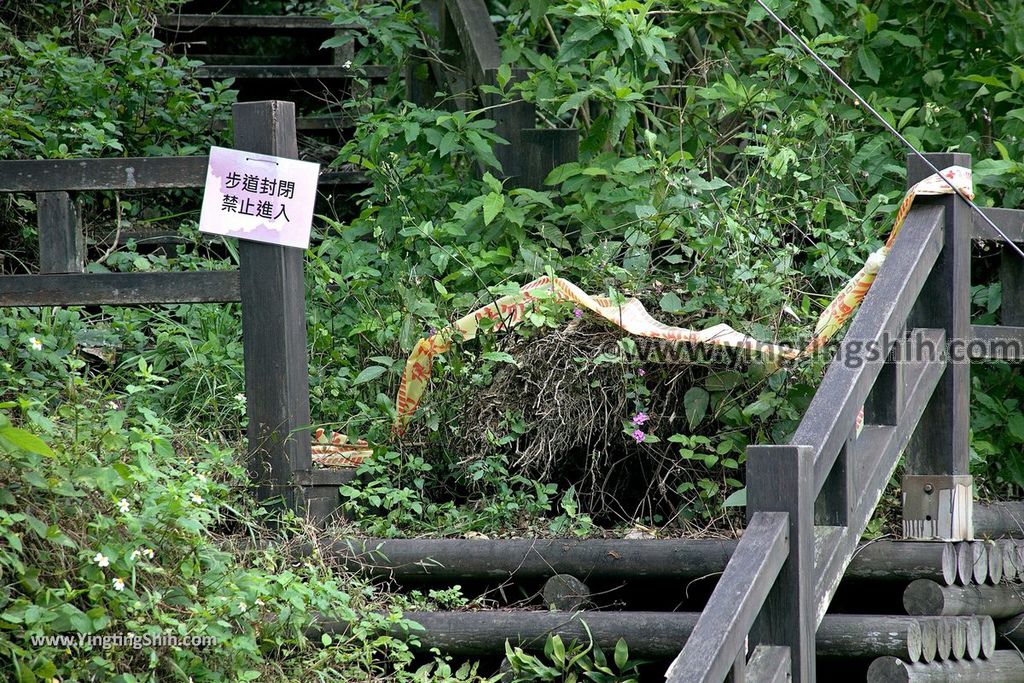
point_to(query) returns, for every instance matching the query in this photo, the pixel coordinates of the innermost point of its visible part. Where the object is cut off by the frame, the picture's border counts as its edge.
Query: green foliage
(573, 662)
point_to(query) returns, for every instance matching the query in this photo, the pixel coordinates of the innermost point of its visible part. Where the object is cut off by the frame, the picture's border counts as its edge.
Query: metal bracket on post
(939, 507)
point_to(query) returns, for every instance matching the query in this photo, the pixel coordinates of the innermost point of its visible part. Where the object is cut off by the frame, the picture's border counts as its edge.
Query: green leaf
(695, 402)
(869, 62)
(493, 204)
(737, 499)
(670, 303)
(621, 654)
(26, 441)
(368, 374)
(1016, 426)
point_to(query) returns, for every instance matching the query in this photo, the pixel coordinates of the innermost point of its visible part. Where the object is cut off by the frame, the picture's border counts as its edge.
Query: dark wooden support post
(937, 487)
(545, 148)
(1011, 274)
(511, 119)
(838, 496)
(274, 327)
(781, 479)
(886, 401)
(61, 243)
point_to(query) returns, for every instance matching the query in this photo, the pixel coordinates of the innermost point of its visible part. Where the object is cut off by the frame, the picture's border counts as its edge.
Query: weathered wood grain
(140, 173)
(119, 289)
(61, 241)
(721, 631)
(769, 664)
(1005, 666)
(1010, 221)
(273, 327)
(925, 597)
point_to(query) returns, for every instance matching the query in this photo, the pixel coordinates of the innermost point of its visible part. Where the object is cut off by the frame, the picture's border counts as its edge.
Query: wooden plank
(119, 289)
(885, 402)
(141, 173)
(1010, 221)
(511, 117)
(544, 150)
(1004, 666)
(1011, 275)
(940, 445)
(721, 631)
(61, 241)
(179, 22)
(274, 327)
(476, 34)
(769, 664)
(877, 454)
(834, 503)
(996, 342)
(850, 376)
(781, 479)
(320, 72)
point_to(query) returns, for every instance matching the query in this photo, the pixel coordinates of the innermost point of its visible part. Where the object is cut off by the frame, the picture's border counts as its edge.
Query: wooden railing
(269, 284)
(469, 42)
(809, 502)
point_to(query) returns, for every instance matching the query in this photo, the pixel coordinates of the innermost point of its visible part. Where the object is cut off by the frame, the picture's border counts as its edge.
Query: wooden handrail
(828, 482)
(847, 383)
(718, 638)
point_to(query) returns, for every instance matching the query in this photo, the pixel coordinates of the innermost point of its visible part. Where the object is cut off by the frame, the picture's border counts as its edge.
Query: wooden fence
(269, 283)
(809, 502)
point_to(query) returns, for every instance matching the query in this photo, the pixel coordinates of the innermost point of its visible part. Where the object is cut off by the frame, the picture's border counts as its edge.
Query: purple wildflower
(639, 435)
(640, 418)
(641, 372)
(433, 331)
(577, 312)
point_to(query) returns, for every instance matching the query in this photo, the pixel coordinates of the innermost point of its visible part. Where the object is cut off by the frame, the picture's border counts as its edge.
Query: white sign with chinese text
(259, 197)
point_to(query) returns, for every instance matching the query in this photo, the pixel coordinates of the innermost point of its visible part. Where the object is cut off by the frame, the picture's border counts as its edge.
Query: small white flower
(136, 553)
(196, 498)
(123, 506)
(113, 405)
(347, 64)
(148, 552)
(240, 398)
(242, 606)
(35, 344)
(118, 584)
(259, 603)
(102, 560)
(201, 478)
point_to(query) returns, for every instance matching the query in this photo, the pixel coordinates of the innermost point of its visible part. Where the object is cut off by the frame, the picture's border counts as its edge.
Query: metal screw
(928, 488)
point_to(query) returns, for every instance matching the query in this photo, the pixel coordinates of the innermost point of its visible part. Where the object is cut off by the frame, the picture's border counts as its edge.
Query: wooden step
(320, 72)
(191, 22)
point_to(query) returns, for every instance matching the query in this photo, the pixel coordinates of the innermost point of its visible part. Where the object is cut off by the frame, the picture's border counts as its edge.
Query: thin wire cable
(839, 79)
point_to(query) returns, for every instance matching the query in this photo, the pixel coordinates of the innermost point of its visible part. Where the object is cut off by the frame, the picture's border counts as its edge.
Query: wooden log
(1008, 550)
(1004, 666)
(565, 592)
(943, 629)
(1012, 630)
(119, 289)
(973, 629)
(446, 559)
(997, 520)
(988, 635)
(929, 640)
(959, 643)
(979, 553)
(926, 597)
(995, 562)
(649, 634)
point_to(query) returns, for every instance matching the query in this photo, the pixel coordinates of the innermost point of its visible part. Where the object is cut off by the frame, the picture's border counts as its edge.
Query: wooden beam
(1010, 221)
(320, 72)
(780, 479)
(179, 22)
(274, 327)
(544, 150)
(848, 381)
(940, 444)
(476, 34)
(64, 175)
(721, 631)
(61, 241)
(119, 289)
(769, 664)
(996, 342)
